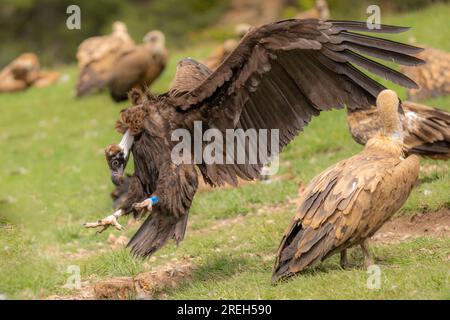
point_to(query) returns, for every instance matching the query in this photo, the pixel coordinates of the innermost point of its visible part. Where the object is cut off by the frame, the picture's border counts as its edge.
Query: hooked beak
(117, 157)
(117, 176)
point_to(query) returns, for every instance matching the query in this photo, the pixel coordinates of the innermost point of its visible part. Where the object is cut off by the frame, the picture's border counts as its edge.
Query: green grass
(54, 178)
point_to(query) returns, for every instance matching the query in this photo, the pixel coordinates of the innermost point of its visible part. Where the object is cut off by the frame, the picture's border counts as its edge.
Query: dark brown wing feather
(283, 74)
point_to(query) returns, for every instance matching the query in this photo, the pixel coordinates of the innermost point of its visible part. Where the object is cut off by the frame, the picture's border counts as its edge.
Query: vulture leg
(344, 260)
(368, 259)
(104, 223)
(143, 207)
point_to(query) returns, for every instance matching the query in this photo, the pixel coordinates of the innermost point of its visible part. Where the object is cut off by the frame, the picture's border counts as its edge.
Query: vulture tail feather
(157, 229)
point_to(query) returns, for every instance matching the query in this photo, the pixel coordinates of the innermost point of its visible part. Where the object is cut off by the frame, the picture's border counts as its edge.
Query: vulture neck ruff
(126, 143)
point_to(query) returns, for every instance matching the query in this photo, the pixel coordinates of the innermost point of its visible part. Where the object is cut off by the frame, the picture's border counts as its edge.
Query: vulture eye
(115, 163)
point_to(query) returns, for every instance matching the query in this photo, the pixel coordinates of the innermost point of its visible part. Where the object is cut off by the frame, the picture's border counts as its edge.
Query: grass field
(54, 177)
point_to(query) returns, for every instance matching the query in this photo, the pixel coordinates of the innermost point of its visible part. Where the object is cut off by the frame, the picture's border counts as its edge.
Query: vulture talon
(105, 223)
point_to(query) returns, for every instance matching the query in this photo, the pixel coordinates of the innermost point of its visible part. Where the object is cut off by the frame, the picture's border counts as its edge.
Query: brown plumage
(348, 202)
(426, 129)
(279, 77)
(20, 73)
(97, 55)
(320, 11)
(139, 67)
(433, 77)
(24, 72)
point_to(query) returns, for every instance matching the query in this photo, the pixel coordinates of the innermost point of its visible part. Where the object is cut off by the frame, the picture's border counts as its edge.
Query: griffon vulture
(279, 77)
(139, 67)
(320, 11)
(24, 72)
(97, 55)
(426, 130)
(433, 77)
(348, 202)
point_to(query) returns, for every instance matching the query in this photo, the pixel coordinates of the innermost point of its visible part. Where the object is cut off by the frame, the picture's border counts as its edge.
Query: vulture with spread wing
(348, 202)
(279, 77)
(426, 129)
(97, 55)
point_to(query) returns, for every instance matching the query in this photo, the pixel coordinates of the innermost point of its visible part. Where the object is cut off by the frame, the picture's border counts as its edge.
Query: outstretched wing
(283, 73)
(427, 130)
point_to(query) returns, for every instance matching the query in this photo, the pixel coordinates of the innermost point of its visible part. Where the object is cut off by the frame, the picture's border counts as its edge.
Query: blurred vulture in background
(320, 11)
(347, 203)
(279, 77)
(426, 129)
(433, 78)
(24, 72)
(97, 55)
(139, 67)
(221, 52)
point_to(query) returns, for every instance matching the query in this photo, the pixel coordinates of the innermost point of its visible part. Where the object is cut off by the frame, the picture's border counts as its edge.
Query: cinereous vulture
(348, 202)
(139, 67)
(279, 77)
(97, 55)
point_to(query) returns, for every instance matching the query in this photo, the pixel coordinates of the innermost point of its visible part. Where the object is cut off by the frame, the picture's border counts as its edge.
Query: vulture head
(117, 158)
(157, 40)
(388, 105)
(119, 27)
(241, 29)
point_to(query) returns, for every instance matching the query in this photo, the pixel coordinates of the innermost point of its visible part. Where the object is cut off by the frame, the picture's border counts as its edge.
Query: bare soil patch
(147, 285)
(431, 224)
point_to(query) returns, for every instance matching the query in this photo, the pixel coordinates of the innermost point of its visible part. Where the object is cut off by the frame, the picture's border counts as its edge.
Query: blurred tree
(40, 25)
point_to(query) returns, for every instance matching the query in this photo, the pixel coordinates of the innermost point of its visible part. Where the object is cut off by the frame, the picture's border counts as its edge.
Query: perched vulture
(320, 11)
(97, 55)
(433, 77)
(279, 77)
(426, 130)
(139, 67)
(24, 72)
(348, 202)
